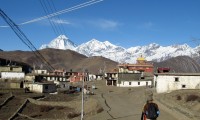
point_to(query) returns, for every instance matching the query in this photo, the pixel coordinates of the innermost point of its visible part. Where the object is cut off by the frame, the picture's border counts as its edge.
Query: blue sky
(126, 23)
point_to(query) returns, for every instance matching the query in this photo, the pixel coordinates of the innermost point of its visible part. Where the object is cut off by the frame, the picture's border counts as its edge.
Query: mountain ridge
(62, 59)
(152, 52)
(71, 60)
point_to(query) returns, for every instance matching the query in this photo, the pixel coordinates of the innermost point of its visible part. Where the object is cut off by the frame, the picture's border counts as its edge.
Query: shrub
(192, 98)
(198, 99)
(178, 97)
(59, 108)
(35, 116)
(100, 110)
(73, 115)
(45, 108)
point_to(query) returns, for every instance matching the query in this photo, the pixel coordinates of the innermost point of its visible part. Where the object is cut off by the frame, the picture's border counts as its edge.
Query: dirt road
(123, 103)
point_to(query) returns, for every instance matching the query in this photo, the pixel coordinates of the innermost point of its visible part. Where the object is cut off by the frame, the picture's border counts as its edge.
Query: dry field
(108, 103)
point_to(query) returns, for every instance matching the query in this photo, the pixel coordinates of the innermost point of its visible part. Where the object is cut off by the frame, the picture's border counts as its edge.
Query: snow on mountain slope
(61, 42)
(152, 52)
(97, 48)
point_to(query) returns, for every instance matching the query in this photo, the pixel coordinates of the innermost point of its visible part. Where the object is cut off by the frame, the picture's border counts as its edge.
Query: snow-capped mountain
(152, 52)
(61, 42)
(97, 48)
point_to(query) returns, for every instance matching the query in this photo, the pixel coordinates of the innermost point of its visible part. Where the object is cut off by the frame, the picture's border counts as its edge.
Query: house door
(114, 83)
(146, 84)
(21, 84)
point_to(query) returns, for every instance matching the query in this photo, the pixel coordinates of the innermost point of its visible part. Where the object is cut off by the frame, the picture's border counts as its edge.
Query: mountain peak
(62, 37)
(94, 41)
(153, 51)
(61, 42)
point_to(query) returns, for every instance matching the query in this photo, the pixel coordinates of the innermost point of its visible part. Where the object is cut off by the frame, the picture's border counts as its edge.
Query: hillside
(180, 64)
(61, 59)
(71, 60)
(25, 67)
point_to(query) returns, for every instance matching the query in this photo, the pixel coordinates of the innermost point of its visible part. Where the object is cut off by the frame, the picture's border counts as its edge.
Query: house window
(138, 83)
(46, 87)
(183, 86)
(129, 83)
(176, 79)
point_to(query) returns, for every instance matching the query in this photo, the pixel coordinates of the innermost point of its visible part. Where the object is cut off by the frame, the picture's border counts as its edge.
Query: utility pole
(82, 105)
(104, 70)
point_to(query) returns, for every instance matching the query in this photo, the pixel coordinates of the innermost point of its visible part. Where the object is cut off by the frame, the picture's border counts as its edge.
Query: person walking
(150, 110)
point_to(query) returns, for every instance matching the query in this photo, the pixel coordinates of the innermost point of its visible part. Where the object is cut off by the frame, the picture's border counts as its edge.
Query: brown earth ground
(108, 103)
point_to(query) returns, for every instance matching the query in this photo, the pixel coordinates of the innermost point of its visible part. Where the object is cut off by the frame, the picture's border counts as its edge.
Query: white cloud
(146, 25)
(105, 24)
(60, 21)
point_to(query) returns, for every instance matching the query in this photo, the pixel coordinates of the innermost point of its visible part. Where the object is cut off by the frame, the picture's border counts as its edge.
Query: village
(61, 90)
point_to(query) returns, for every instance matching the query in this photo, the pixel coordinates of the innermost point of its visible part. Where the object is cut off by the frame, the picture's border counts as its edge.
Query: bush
(59, 108)
(73, 115)
(192, 98)
(35, 116)
(178, 97)
(100, 110)
(45, 108)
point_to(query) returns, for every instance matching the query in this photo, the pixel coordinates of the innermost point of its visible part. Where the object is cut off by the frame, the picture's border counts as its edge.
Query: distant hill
(25, 67)
(180, 64)
(62, 59)
(71, 60)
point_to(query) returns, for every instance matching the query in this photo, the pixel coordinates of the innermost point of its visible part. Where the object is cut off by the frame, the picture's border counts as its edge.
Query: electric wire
(55, 17)
(45, 9)
(24, 39)
(61, 27)
(82, 5)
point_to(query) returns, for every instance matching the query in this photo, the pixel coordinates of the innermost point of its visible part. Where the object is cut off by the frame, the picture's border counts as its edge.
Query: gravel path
(123, 103)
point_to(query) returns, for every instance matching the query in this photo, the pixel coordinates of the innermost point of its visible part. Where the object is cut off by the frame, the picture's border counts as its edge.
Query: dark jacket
(146, 107)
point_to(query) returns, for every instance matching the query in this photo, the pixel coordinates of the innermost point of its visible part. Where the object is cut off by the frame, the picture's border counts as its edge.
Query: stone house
(41, 87)
(11, 72)
(111, 78)
(167, 82)
(133, 80)
(135, 75)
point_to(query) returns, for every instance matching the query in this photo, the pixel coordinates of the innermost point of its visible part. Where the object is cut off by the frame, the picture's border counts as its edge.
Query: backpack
(151, 111)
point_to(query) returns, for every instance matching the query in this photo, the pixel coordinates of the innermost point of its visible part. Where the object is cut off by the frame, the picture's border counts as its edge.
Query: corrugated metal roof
(178, 74)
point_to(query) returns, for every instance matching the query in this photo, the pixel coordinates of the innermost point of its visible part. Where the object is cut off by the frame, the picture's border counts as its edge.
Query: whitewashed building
(92, 77)
(11, 72)
(12, 75)
(62, 85)
(41, 87)
(132, 80)
(167, 82)
(40, 71)
(111, 78)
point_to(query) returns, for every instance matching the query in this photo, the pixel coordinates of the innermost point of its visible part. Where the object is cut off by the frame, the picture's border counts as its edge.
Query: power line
(53, 26)
(49, 7)
(58, 17)
(82, 5)
(24, 39)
